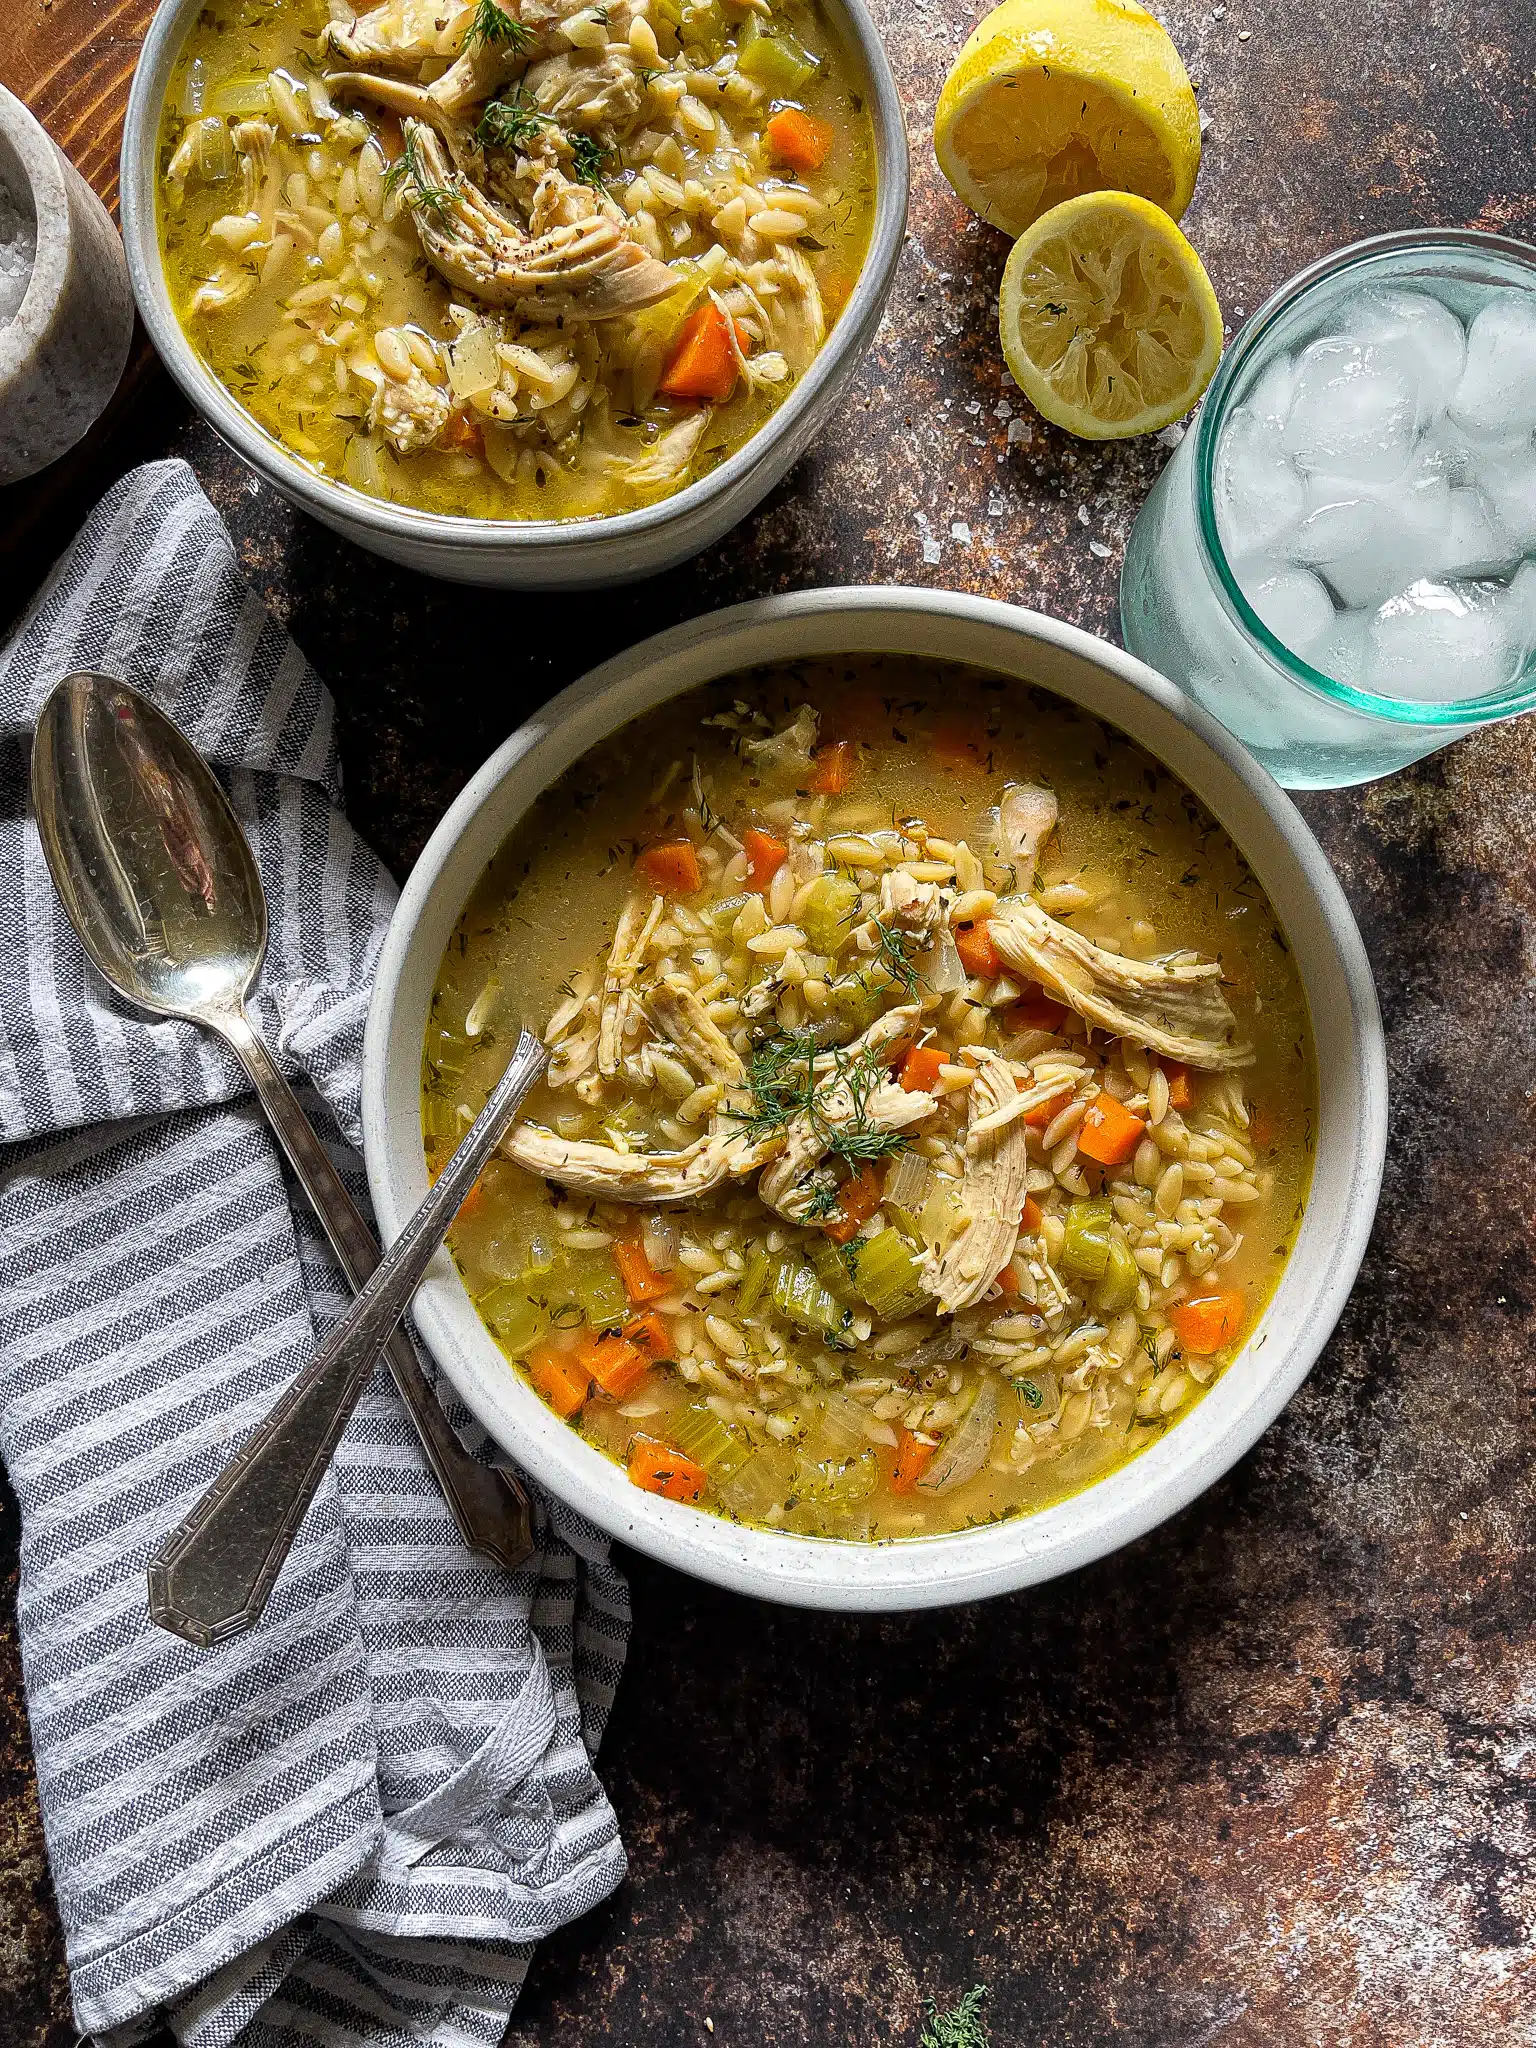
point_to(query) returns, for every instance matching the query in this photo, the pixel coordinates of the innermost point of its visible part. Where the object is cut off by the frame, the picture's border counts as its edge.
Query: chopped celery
(593, 1283)
(702, 1436)
(761, 1484)
(831, 1269)
(940, 1216)
(910, 1183)
(836, 1482)
(774, 60)
(827, 918)
(702, 26)
(657, 325)
(1086, 1249)
(886, 1274)
(723, 915)
(516, 1320)
(757, 1277)
(857, 1003)
(801, 1299)
(1117, 1289)
(440, 1117)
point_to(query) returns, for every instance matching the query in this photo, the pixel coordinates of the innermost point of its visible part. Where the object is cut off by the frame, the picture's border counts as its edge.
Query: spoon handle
(210, 1579)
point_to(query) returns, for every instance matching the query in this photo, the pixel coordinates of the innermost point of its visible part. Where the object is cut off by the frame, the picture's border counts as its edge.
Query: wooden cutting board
(71, 62)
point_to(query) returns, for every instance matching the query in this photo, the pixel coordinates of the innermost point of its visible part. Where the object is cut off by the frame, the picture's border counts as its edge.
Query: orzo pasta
(514, 259)
(929, 1109)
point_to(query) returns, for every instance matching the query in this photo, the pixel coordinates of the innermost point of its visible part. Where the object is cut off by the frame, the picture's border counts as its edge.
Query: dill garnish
(510, 124)
(784, 1084)
(896, 958)
(587, 159)
(492, 24)
(434, 199)
(962, 2028)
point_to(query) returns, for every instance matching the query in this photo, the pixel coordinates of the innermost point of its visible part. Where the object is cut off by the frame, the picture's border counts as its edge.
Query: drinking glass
(1181, 609)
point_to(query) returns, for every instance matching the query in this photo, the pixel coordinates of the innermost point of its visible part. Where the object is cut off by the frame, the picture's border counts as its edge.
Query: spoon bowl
(149, 860)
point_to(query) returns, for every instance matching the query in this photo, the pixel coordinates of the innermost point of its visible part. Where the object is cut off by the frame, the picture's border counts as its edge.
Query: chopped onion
(215, 158)
(910, 1183)
(662, 1237)
(473, 364)
(194, 90)
(360, 465)
(963, 1453)
(1026, 819)
(940, 966)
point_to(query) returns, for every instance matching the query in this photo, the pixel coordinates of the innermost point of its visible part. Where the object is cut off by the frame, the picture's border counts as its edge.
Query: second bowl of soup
(964, 1106)
(522, 292)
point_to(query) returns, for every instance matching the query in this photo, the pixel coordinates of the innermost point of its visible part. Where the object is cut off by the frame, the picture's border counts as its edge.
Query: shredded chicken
(791, 1183)
(405, 33)
(992, 1194)
(682, 1019)
(1173, 1006)
(723, 1153)
(410, 412)
(636, 924)
(1026, 818)
(911, 906)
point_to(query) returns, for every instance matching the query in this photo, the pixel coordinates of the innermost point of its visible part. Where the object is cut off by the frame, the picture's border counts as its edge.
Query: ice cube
(1353, 416)
(1473, 545)
(1291, 602)
(1508, 487)
(1410, 533)
(1335, 529)
(1441, 643)
(1258, 494)
(1497, 392)
(1418, 334)
(1341, 654)
(1273, 390)
(1521, 605)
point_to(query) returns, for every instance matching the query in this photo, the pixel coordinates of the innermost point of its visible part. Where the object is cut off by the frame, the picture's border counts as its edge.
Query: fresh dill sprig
(823, 1202)
(587, 159)
(896, 958)
(964, 2027)
(781, 1075)
(493, 25)
(434, 199)
(510, 124)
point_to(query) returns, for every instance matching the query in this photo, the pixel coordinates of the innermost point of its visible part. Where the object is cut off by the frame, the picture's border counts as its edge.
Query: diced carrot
(1181, 1090)
(1008, 1280)
(956, 744)
(978, 955)
(1108, 1131)
(857, 1201)
(650, 1333)
(559, 1378)
(1261, 1126)
(1031, 1215)
(765, 856)
(461, 435)
(1034, 1012)
(660, 1468)
(471, 1201)
(1210, 1322)
(641, 1281)
(836, 286)
(672, 869)
(799, 139)
(617, 1365)
(912, 1456)
(1046, 1112)
(387, 127)
(833, 770)
(703, 363)
(920, 1069)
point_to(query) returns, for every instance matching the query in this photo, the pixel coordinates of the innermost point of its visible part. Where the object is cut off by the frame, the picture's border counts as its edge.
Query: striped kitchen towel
(351, 1825)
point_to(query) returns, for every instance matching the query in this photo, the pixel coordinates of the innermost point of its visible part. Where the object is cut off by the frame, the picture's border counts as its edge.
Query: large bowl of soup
(520, 292)
(966, 1100)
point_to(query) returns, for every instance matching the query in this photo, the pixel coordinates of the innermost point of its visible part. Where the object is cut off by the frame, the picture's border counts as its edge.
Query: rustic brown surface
(1265, 1778)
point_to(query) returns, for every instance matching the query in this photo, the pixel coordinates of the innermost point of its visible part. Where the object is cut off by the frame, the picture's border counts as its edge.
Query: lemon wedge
(1108, 320)
(1051, 98)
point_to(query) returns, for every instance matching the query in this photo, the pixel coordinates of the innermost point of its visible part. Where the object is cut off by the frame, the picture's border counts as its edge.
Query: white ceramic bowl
(526, 554)
(1326, 946)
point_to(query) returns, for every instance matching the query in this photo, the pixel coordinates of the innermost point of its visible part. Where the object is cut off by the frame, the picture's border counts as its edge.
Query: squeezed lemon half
(1108, 320)
(1052, 98)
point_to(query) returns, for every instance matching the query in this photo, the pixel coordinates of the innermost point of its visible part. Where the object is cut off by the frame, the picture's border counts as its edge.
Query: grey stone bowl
(63, 353)
(540, 554)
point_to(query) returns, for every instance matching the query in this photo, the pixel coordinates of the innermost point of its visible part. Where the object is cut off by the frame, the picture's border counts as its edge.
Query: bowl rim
(1001, 1556)
(542, 539)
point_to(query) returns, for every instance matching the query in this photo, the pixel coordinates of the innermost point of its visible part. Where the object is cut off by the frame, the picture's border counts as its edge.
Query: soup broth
(521, 261)
(930, 1108)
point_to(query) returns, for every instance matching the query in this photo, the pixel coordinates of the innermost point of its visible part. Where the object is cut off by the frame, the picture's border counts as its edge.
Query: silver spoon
(210, 1578)
(156, 876)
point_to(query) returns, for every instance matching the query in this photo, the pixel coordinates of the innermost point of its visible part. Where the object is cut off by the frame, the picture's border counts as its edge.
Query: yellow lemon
(1052, 98)
(1108, 320)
